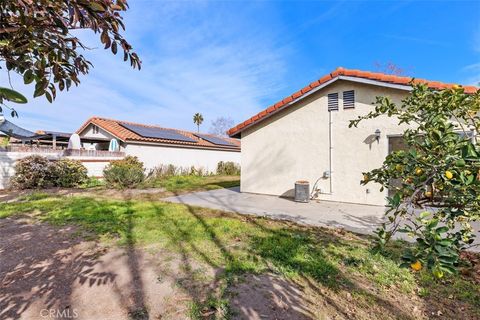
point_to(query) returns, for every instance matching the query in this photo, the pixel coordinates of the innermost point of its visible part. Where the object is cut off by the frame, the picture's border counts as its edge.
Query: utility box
(302, 191)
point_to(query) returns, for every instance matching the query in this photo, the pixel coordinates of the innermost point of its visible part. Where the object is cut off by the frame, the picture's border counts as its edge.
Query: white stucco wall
(294, 145)
(95, 165)
(154, 155)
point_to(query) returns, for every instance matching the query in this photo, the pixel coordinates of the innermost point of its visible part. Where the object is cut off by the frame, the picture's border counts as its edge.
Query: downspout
(330, 147)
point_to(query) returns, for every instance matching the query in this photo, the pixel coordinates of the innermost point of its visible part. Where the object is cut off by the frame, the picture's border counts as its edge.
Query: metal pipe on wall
(330, 147)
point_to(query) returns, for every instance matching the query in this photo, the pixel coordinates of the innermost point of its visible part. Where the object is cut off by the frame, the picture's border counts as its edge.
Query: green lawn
(338, 263)
(194, 183)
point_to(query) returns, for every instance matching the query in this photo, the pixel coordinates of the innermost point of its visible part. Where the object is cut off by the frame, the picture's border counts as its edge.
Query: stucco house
(155, 145)
(306, 137)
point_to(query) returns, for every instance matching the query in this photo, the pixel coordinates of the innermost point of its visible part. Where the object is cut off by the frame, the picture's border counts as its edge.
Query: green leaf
(28, 77)
(432, 223)
(39, 91)
(114, 47)
(96, 6)
(48, 96)
(12, 95)
(442, 229)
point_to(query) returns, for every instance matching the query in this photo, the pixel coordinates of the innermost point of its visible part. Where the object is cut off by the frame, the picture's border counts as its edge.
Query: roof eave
(179, 145)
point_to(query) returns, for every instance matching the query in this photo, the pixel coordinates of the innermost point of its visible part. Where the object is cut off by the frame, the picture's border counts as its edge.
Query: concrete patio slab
(353, 217)
(363, 219)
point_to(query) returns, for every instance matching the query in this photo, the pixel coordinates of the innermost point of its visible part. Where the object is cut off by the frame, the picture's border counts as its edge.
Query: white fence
(95, 162)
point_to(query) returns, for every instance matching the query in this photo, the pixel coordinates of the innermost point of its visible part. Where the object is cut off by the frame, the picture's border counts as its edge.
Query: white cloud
(473, 74)
(197, 57)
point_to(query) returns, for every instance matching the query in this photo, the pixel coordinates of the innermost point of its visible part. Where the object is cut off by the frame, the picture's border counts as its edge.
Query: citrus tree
(36, 42)
(435, 180)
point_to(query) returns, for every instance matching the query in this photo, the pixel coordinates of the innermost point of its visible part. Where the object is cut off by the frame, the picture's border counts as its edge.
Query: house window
(332, 101)
(349, 99)
(95, 129)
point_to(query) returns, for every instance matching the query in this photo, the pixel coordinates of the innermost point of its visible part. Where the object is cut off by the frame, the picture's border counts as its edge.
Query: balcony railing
(92, 153)
(63, 152)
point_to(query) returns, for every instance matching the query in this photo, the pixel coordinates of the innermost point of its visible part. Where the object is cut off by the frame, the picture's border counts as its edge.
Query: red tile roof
(115, 128)
(376, 76)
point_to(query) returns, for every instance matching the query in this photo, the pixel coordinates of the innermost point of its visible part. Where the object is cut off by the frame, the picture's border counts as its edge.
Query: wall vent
(348, 99)
(332, 101)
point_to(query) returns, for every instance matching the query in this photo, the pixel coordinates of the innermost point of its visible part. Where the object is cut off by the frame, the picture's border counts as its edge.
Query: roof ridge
(142, 124)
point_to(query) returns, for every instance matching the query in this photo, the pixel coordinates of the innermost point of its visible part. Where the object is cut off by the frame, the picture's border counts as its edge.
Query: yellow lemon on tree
(428, 194)
(456, 86)
(418, 171)
(399, 167)
(365, 178)
(449, 174)
(417, 266)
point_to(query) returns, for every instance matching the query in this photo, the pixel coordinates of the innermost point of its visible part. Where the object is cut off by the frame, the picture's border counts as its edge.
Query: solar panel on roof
(214, 140)
(157, 133)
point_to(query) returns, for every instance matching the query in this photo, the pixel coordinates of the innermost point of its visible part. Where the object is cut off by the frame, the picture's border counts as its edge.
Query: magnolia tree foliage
(36, 41)
(435, 181)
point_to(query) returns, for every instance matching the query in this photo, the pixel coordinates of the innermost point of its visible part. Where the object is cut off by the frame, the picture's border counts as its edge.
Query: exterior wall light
(377, 134)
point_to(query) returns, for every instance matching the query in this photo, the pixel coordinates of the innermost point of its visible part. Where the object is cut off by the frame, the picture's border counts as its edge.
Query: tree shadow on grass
(225, 264)
(137, 310)
(295, 252)
(41, 263)
(307, 253)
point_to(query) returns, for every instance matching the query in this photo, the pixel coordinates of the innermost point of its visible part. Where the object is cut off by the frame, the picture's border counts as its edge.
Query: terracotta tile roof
(376, 76)
(115, 128)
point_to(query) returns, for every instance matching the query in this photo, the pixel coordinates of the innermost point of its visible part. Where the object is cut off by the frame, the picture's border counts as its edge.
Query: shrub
(33, 172)
(170, 170)
(125, 173)
(228, 168)
(37, 172)
(69, 173)
(92, 182)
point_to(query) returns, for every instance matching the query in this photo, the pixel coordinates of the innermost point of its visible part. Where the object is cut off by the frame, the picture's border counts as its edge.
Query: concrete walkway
(358, 218)
(353, 217)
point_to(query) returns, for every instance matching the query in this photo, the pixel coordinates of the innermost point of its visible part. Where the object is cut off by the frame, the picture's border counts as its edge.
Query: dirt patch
(48, 272)
(126, 194)
(13, 195)
(269, 296)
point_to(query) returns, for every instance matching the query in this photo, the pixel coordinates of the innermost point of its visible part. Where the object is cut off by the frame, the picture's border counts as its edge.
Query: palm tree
(198, 119)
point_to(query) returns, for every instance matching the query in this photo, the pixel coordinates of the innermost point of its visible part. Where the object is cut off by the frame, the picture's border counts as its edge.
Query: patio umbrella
(74, 142)
(114, 146)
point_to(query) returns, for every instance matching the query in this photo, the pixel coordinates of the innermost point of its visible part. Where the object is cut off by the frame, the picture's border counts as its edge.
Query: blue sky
(234, 58)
